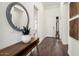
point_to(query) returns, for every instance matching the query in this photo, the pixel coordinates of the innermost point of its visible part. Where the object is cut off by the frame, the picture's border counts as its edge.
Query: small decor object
(26, 38)
(25, 31)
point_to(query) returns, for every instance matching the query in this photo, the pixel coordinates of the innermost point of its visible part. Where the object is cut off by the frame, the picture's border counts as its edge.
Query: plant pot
(26, 38)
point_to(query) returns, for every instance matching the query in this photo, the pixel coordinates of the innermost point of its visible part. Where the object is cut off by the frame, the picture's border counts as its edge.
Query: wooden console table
(19, 49)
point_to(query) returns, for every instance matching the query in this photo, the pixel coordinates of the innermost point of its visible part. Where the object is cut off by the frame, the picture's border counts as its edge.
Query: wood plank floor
(51, 47)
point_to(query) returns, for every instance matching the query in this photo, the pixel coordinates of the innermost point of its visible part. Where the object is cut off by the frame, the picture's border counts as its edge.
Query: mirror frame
(9, 15)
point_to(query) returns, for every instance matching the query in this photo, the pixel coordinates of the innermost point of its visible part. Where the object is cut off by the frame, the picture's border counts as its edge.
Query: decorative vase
(26, 38)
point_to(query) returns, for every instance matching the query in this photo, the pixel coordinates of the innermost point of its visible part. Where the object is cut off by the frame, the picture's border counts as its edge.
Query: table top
(17, 48)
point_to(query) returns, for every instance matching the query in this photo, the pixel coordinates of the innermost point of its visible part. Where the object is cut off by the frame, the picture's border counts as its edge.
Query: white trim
(77, 16)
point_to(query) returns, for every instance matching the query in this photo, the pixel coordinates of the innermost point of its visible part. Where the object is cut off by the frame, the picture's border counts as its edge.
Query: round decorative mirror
(18, 17)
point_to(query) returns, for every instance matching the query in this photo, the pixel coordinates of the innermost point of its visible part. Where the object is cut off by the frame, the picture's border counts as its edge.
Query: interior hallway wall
(41, 21)
(50, 19)
(8, 36)
(64, 22)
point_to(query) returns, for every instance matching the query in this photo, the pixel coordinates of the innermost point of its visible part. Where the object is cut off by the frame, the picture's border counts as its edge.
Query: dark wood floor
(51, 47)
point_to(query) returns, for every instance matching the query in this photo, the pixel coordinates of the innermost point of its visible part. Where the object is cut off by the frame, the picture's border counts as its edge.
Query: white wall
(64, 22)
(50, 19)
(8, 36)
(41, 25)
(73, 47)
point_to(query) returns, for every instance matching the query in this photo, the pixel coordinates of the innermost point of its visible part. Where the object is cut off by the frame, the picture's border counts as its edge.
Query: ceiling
(48, 4)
